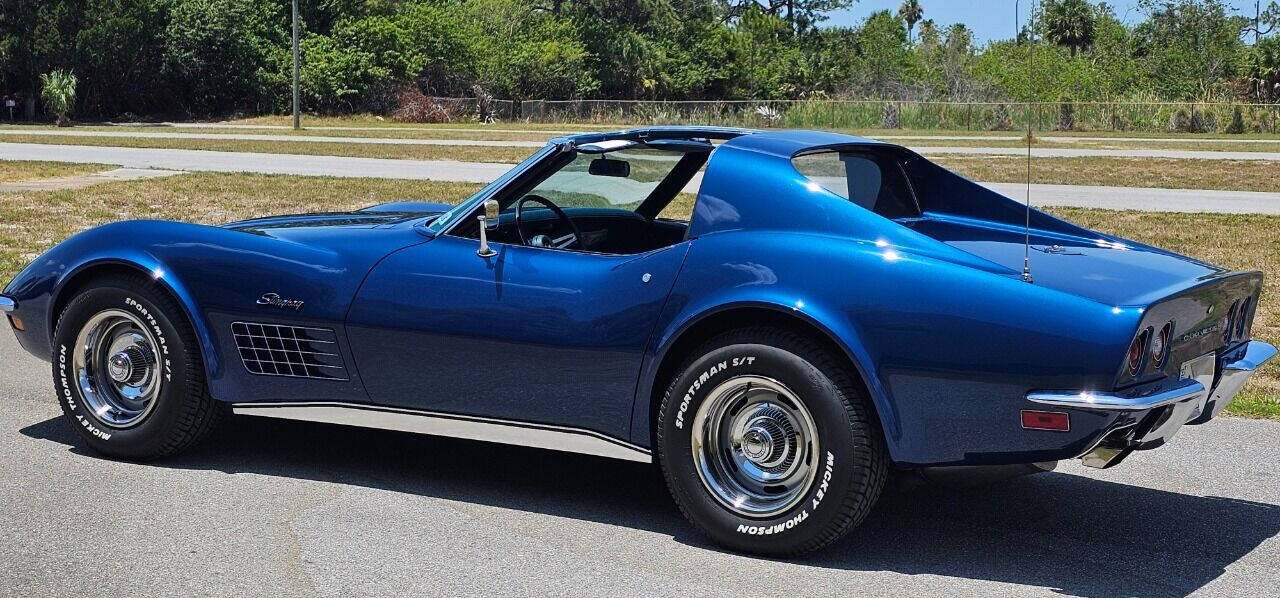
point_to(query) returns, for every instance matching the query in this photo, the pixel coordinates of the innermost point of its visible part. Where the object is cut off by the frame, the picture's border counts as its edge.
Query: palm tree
(911, 12)
(59, 92)
(1069, 23)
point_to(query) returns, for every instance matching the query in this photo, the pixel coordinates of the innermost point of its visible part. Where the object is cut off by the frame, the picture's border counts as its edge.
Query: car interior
(616, 197)
(629, 197)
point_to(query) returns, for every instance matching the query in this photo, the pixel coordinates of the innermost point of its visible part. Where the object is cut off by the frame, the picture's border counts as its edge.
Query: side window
(873, 182)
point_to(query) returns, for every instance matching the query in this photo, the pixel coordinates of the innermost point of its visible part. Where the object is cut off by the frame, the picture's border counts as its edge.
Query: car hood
(364, 235)
(1103, 268)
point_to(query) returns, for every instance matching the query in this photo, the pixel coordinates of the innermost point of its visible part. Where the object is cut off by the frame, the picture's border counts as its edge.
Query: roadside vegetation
(31, 222)
(397, 57)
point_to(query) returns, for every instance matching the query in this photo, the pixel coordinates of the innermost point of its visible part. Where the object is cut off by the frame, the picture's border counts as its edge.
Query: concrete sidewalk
(1114, 198)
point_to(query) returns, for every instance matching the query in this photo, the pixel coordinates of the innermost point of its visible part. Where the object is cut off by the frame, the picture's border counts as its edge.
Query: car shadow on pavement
(1075, 535)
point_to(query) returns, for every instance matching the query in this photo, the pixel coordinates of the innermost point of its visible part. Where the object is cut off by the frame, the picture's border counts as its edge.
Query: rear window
(871, 181)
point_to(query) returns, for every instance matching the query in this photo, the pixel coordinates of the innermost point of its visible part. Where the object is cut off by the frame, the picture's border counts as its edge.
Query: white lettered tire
(768, 445)
(128, 371)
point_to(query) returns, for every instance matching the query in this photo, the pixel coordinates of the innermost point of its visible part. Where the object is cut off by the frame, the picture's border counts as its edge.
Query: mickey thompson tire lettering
(852, 459)
(182, 412)
(64, 385)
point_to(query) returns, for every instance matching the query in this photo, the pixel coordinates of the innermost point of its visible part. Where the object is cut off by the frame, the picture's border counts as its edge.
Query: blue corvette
(776, 319)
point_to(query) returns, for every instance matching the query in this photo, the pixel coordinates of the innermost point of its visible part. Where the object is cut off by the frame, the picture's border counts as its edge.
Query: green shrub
(59, 91)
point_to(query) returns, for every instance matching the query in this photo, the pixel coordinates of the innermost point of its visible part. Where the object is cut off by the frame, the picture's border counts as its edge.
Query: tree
(59, 91)
(911, 12)
(801, 15)
(1069, 23)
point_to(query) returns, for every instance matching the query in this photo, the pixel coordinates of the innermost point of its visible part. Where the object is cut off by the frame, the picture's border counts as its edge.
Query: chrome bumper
(7, 305)
(1157, 416)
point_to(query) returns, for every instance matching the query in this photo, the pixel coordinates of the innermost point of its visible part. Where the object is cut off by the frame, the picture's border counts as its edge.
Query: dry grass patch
(19, 170)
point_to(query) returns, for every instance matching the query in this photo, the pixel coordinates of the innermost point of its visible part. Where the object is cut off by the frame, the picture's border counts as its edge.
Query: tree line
(218, 57)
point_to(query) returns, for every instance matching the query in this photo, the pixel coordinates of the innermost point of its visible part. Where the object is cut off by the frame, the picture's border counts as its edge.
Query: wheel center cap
(757, 444)
(120, 366)
(128, 366)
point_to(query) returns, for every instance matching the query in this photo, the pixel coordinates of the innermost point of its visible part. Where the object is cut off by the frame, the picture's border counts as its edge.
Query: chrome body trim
(1189, 390)
(1234, 376)
(559, 438)
(7, 305)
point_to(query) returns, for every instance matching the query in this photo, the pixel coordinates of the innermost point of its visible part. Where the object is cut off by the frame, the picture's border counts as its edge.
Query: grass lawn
(31, 222)
(18, 170)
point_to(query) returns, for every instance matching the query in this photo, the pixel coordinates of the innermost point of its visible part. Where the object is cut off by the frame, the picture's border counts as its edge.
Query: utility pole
(297, 116)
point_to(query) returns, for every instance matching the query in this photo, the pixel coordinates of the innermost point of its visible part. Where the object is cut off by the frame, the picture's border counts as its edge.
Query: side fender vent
(294, 351)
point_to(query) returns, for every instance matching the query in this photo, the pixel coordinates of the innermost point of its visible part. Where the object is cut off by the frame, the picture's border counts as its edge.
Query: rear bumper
(1155, 417)
(7, 304)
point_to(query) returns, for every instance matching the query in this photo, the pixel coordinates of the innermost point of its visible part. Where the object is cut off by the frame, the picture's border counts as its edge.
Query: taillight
(1160, 345)
(1135, 351)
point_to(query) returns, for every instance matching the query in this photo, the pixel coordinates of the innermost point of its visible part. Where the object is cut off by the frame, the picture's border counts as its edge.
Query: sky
(989, 19)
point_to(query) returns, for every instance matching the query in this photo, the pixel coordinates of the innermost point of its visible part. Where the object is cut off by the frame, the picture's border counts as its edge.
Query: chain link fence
(1165, 117)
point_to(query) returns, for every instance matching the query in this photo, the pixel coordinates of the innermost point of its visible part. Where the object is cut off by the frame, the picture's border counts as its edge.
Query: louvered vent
(274, 350)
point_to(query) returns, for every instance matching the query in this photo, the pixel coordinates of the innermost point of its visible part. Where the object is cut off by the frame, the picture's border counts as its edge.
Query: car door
(532, 334)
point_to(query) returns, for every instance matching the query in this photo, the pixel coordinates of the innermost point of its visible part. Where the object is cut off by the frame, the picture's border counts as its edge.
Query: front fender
(218, 274)
(40, 287)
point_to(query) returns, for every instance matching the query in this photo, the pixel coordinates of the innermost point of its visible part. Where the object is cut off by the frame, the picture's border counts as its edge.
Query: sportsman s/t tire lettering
(166, 408)
(723, 427)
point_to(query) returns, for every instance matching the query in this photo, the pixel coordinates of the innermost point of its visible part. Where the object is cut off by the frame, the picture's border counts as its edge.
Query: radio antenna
(1031, 66)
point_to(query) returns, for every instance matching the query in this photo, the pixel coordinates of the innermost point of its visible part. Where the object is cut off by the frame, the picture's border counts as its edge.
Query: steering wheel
(574, 238)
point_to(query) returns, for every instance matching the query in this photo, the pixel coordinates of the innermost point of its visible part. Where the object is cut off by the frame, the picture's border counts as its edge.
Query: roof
(780, 142)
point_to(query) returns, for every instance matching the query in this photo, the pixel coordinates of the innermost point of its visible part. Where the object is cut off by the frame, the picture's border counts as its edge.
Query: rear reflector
(16, 322)
(1046, 420)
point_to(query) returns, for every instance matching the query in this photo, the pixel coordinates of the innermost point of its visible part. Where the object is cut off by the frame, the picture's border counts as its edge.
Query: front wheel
(128, 371)
(768, 445)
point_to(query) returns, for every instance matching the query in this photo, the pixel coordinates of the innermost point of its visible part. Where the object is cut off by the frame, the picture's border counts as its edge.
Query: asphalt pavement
(1115, 198)
(278, 508)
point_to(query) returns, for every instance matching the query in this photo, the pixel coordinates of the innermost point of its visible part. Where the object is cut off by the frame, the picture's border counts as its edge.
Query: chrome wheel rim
(116, 366)
(754, 444)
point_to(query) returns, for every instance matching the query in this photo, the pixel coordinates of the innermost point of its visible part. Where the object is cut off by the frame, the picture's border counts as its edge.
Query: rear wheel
(768, 445)
(128, 371)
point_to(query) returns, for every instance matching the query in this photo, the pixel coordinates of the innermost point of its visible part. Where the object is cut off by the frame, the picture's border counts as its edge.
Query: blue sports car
(776, 319)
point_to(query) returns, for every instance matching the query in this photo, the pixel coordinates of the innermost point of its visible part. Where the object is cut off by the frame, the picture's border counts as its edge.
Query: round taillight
(1160, 345)
(1229, 325)
(1242, 317)
(1135, 352)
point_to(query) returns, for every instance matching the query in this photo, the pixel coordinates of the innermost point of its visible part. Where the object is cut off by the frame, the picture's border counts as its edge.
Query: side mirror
(491, 214)
(488, 222)
(605, 167)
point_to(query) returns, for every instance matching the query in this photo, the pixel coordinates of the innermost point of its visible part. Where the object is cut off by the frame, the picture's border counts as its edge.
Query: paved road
(927, 150)
(1117, 198)
(276, 508)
